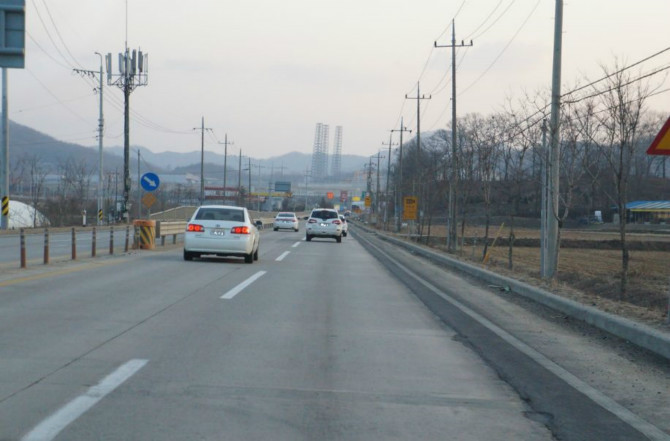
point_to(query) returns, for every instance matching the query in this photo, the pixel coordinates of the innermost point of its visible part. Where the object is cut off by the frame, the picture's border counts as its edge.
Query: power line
(602, 92)
(484, 22)
(46, 29)
(617, 72)
(60, 37)
(504, 49)
(504, 12)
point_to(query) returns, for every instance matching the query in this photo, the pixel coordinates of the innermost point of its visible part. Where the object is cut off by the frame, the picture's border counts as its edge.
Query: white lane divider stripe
(281, 257)
(235, 291)
(48, 429)
(295, 245)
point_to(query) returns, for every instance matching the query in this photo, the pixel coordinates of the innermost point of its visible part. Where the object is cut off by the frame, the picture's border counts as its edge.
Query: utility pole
(552, 216)
(418, 99)
(4, 156)
(133, 72)
(543, 212)
(202, 159)
(249, 189)
(225, 163)
(239, 181)
(399, 200)
(101, 124)
(260, 184)
(388, 173)
(307, 176)
(369, 180)
(139, 187)
(453, 187)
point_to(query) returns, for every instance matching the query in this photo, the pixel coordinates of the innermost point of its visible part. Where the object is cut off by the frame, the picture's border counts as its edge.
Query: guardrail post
(46, 246)
(23, 248)
(174, 239)
(162, 241)
(93, 243)
(74, 245)
(127, 237)
(111, 239)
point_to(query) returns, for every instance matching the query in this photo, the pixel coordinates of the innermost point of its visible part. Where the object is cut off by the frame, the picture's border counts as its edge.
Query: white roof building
(22, 216)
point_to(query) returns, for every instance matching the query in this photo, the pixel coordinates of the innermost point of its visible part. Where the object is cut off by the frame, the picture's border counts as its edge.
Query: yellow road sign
(661, 144)
(368, 201)
(409, 209)
(149, 199)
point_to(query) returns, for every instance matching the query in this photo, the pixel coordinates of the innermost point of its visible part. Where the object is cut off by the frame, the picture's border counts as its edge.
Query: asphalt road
(316, 341)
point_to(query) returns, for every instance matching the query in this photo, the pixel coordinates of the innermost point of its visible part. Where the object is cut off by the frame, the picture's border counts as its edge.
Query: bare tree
(622, 99)
(37, 172)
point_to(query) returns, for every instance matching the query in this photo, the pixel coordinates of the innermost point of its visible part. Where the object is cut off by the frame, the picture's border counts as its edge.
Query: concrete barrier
(639, 334)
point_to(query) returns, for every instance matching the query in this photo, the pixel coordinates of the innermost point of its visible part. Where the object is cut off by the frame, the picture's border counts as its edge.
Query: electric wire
(60, 37)
(618, 72)
(485, 20)
(503, 50)
(46, 29)
(502, 14)
(56, 97)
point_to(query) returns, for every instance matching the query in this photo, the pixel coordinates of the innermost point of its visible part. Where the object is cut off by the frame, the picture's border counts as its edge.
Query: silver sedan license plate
(218, 232)
(324, 225)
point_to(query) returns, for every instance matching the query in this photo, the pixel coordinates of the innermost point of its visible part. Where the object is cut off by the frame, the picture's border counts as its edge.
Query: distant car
(286, 220)
(345, 226)
(324, 222)
(221, 230)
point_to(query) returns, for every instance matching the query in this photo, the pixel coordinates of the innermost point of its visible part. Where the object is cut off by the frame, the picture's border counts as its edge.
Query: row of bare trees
(605, 130)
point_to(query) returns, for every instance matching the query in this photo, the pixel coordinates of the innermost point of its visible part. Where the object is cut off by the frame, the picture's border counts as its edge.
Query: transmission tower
(336, 163)
(133, 73)
(320, 152)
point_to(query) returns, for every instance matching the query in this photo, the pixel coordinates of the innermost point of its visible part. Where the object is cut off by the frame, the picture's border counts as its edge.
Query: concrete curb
(636, 333)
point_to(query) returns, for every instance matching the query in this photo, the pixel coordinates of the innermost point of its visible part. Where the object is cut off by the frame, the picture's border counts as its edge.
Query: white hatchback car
(221, 230)
(324, 222)
(286, 220)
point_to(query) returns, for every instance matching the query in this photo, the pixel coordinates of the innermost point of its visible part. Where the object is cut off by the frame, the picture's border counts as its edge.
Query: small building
(648, 212)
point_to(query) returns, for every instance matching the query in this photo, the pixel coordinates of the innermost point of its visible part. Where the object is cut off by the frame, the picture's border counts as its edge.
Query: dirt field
(586, 273)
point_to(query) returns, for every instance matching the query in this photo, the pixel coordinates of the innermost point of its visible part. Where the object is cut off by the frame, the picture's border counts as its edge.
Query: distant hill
(25, 141)
(293, 162)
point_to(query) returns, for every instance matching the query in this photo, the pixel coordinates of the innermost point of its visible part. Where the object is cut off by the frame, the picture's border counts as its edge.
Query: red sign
(330, 195)
(661, 144)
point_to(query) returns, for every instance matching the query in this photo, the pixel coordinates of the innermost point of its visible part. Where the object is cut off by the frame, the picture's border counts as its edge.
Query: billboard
(283, 186)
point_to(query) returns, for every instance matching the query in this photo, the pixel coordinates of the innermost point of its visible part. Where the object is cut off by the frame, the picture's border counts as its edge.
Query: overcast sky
(266, 71)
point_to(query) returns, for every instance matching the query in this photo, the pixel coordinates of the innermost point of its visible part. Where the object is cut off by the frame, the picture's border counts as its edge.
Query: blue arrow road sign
(150, 181)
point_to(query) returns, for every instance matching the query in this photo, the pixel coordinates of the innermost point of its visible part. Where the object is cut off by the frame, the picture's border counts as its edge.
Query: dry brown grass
(588, 275)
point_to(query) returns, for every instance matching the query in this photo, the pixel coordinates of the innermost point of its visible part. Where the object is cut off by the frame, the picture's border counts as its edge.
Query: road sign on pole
(150, 181)
(661, 144)
(409, 208)
(12, 55)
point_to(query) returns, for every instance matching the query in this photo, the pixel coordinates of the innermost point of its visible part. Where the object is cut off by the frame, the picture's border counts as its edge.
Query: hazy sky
(266, 71)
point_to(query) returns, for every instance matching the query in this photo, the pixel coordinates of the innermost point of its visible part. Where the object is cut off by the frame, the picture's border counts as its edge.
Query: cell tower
(336, 163)
(320, 153)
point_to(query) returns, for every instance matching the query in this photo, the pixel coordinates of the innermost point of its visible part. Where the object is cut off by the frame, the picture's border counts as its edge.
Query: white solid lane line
(235, 291)
(281, 257)
(295, 245)
(48, 429)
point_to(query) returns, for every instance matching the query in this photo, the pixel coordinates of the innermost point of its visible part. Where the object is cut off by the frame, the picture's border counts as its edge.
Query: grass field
(586, 273)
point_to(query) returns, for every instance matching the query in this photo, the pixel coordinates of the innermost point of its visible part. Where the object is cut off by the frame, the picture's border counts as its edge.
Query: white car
(221, 230)
(324, 222)
(345, 226)
(286, 220)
